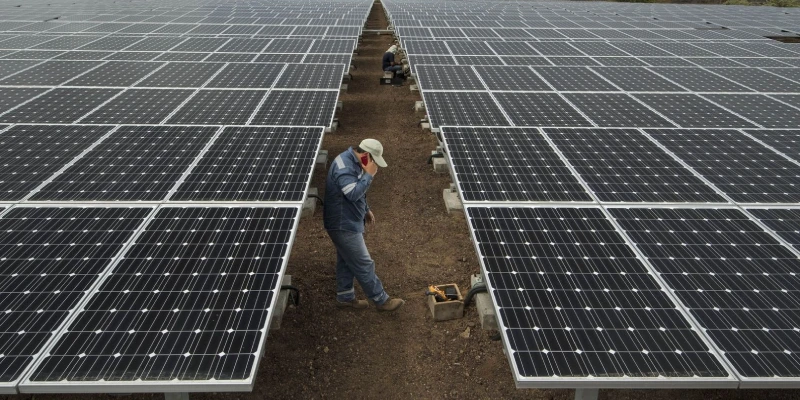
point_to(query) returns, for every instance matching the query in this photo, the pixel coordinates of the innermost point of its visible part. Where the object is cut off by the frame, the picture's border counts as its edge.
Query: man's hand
(371, 168)
(370, 217)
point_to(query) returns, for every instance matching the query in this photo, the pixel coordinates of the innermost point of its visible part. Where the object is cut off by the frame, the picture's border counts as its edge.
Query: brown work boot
(357, 304)
(391, 305)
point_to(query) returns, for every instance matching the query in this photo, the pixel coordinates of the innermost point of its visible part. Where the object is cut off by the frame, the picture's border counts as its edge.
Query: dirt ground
(321, 352)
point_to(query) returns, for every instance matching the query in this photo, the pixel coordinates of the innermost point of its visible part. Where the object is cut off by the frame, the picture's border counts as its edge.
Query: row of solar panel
(565, 61)
(155, 163)
(288, 29)
(170, 74)
(190, 300)
(419, 33)
(171, 106)
(580, 298)
(20, 55)
(653, 110)
(180, 44)
(624, 165)
(625, 48)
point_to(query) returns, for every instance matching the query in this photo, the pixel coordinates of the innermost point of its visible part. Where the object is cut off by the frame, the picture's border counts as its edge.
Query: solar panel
(134, 163)
(509, 164)
(463, 108)
(311, 76)
(760, 109)
(622, 165)
(691, 111)
(737, 282)
(50, 73)
(637, 80)
(218, 107)
(59, 105)
(447, 78)
(786, 142)
(758, 80)
(115, 73)
(574, 301)
(160, 321)
(50, 257)
(510, 78)
(539, 109)
(247, 76)
(254, 164)
(737, 165)
(297, 107)
(615, 110)
(177, 75)
(574, 79)
(699, 80)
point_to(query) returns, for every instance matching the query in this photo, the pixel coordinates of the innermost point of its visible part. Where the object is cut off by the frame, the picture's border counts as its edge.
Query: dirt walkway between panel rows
(322, 352)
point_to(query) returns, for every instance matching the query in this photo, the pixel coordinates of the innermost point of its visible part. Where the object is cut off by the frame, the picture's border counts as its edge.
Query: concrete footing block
(413, 88)
(322, 160)
(483, 303)
(439, 164)
(310, 205)
(280, 308)
(451, 201)
(333, 127)
(419, 106)
(343, 88)
(339, 104)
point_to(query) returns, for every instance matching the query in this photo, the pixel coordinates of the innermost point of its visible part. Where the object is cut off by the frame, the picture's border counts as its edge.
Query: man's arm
(352, 187)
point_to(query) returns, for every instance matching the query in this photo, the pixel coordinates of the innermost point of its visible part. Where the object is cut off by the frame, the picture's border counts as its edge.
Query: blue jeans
(353, 262)
(395, 69)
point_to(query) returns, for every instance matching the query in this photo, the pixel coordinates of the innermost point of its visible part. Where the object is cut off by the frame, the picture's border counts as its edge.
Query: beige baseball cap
(374, 148)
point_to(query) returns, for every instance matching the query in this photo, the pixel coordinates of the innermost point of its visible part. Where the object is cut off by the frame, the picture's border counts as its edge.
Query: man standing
(345, 213)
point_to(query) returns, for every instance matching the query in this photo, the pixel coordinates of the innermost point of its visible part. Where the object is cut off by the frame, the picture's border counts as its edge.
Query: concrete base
(451, 201)
(387, 74)
(322, 160)
(440, 163)
(413, 88)
(283, 302)
(587, 394)
(419, 106)
(339, 104)
(310, 205)
(483, 303)
(343, 88)
(333, 127)
(426, 126)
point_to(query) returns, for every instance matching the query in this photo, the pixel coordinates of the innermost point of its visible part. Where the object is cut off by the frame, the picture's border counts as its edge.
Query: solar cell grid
(786, 142)
(737, 281)
(254, 164)
(66, 42)
(200, 316)
(616, 110)
(181, 75)
(447, 78)
(311, 76)
(111, 43)
(575, 301)
(699, 80)
(253, 76)
(758, 80)
(218, 107)
(50, 73)
(691, 111)
(739, 166)
(622, 165)
(59, 106)
(115, 73)
(574, 79)
(637, 80)
(539, 109)
(509, 164)
(138, 106)
(760, 109)
(463, 109)
(51, 256)
(297, 107)
(134, 163)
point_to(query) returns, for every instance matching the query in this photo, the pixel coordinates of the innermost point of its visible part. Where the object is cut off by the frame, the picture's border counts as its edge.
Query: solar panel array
(629, 174)
(155, 159)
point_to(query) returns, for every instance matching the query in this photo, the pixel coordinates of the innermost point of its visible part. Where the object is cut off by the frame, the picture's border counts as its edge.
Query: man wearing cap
(345, 213)
(389, 63)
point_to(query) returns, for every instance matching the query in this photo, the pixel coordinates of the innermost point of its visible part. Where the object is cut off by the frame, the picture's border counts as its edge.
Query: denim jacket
(346, 194)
